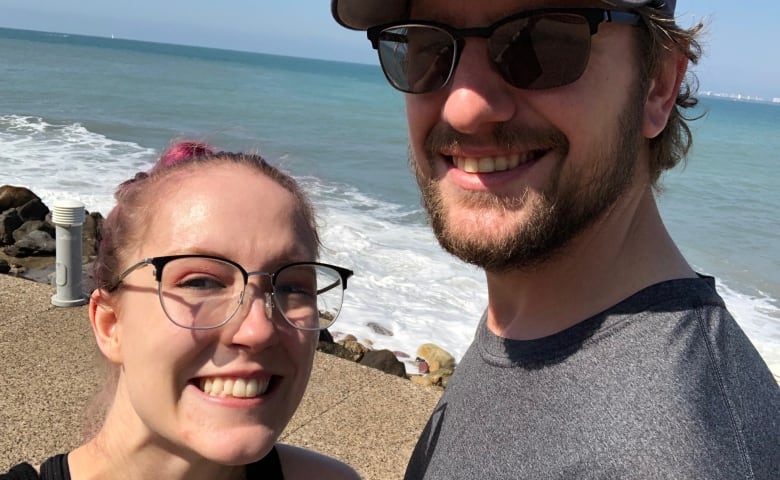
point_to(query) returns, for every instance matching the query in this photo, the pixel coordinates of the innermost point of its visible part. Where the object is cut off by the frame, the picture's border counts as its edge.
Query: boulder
(357, 348)
(336, 350)
(36, 243)
(15, 197)
(33, 210)
(9, 222)
(379, 329)
(31, 226)
(383, 360)
(436, 357)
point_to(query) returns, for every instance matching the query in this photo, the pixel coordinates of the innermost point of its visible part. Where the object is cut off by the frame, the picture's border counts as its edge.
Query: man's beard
(565, 209)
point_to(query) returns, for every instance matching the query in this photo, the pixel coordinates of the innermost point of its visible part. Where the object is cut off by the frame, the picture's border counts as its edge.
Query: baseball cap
(364, 14)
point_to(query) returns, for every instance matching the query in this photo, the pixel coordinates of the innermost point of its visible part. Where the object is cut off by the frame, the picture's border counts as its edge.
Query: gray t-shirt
(663, 385)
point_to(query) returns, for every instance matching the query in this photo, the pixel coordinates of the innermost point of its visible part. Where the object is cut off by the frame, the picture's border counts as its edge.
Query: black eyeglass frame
(594, 17)
(159, 264)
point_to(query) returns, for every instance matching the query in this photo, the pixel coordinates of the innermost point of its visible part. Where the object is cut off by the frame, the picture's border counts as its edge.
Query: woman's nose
(256, 329)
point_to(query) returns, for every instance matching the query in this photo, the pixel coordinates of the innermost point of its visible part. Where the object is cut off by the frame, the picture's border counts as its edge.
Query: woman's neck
(123, 449)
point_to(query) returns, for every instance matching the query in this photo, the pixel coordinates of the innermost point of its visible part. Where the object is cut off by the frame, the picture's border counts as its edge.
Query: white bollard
(68, 219)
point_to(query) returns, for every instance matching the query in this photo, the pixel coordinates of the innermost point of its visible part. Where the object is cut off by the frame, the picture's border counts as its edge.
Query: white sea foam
(407, 285)
(67, 160)
(404, 284)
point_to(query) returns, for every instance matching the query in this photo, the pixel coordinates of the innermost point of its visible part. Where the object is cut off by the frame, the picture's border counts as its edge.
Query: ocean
(78, 115)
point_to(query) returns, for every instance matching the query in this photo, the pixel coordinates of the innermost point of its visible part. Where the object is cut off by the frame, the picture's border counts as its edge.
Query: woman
(208, 309)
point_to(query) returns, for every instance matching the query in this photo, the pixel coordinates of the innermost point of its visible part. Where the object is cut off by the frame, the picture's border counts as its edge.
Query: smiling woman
(211, 334)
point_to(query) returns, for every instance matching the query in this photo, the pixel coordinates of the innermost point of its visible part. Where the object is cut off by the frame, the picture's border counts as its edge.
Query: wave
(66, 160)
(406, 290)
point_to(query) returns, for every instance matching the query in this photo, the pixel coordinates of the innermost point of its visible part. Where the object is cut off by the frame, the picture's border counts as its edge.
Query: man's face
(510, 176)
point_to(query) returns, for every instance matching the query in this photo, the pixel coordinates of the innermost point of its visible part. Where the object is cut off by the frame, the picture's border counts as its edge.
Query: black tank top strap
(22, 471)
(267, 468)
(56, 468)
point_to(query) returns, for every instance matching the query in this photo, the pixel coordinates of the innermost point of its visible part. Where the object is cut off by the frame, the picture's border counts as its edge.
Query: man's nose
(477, 95)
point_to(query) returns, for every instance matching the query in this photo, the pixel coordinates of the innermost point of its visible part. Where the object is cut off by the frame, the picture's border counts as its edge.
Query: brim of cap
(666, 6)
(364, 14)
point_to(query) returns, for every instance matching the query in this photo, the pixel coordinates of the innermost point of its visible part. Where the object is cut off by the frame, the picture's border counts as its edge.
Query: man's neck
(626, 251)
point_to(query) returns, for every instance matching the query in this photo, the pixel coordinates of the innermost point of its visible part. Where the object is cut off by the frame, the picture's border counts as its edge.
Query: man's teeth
(492, 164)
(234, 387)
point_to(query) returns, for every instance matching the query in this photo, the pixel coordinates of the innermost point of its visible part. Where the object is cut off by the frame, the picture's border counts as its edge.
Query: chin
(236, 448)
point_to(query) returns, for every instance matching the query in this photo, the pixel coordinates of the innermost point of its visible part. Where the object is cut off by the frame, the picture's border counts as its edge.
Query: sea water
(78, 115)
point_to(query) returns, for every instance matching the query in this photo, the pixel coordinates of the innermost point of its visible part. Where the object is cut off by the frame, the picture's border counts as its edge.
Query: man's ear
(104, 322)
(662, 94)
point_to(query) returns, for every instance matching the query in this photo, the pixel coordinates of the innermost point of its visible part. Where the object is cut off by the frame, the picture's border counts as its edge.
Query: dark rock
(15, 197)
(9, 221)
(357, 349)
(35, 243)
(33, 210)
(384, 360)
(325, 336)
(5, 267)
(336, 350)
(379, 329)
(90, 234)
(31, 226)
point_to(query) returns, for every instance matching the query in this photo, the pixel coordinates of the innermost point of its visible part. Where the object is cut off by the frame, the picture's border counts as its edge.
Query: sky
(740, 43)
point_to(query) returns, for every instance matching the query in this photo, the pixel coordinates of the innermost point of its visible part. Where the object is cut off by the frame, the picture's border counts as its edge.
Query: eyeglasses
(534, 50)
(202, 292)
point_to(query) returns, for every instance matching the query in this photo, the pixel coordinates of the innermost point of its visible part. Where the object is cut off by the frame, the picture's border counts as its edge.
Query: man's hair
(661, 35)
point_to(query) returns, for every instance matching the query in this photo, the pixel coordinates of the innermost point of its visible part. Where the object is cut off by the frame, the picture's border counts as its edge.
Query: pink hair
(182, 152)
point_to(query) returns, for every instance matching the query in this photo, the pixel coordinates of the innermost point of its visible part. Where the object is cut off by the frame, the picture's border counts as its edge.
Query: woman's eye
(201, 283)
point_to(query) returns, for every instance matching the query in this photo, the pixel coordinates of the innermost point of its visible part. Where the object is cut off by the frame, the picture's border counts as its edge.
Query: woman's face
(234, 212)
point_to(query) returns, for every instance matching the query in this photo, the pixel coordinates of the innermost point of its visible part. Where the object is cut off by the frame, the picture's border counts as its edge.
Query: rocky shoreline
(27, 250)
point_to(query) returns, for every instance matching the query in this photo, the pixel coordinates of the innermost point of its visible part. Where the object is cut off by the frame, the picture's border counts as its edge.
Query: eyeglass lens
(201, 293)
(540, 51)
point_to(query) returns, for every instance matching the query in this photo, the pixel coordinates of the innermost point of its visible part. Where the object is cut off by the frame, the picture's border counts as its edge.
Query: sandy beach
(50, 369)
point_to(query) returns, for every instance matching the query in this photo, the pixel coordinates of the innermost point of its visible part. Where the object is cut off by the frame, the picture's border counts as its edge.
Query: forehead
(229, 206)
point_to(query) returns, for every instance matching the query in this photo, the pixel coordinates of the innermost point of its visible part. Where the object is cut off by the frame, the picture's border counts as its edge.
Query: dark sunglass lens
(542, 51)
(416, 58)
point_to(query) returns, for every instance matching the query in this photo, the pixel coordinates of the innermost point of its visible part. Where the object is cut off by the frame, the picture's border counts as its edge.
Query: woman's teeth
(234, 387)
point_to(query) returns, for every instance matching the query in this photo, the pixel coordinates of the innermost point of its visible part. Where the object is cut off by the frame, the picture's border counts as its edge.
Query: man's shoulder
(676, 295)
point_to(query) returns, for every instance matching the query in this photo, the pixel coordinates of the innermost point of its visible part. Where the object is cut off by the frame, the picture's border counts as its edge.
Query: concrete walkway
(49, 369)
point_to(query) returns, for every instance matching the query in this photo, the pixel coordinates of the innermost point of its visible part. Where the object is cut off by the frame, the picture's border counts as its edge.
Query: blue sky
(740, 44)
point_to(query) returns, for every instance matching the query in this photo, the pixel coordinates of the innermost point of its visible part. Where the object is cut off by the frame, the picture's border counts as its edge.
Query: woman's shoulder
(302, 464)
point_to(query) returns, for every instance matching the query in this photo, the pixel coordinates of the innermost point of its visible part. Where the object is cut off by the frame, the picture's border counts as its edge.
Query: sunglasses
(533, 50)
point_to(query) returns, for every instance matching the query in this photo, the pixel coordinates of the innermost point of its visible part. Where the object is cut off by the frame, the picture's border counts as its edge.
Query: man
(538, 132)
